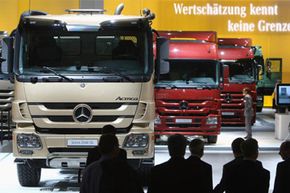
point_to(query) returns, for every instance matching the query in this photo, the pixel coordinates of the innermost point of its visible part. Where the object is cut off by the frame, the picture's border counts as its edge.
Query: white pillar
(282, 123)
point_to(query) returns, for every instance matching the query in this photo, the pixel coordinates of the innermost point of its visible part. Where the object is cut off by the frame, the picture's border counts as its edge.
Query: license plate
(82, 142)
(183, 121)
(228, 113)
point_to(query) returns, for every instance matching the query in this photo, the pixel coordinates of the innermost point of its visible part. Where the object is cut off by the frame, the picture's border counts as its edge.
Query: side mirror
(2, 60)
(260, 72)
(162, 55)
(261, 68)
(226, 74)
(221, 77)
(7, 55)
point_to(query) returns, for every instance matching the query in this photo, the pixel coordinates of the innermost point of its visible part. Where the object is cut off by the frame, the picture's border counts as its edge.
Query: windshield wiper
(57, 74)
(115, 73)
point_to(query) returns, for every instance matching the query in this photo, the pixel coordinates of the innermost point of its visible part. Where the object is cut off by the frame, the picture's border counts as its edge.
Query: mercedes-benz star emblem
(183, 105)
(228, 98)
(82, 85)
(82, 113)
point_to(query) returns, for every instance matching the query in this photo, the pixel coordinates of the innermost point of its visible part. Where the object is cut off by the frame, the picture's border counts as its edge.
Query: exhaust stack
(119, 9)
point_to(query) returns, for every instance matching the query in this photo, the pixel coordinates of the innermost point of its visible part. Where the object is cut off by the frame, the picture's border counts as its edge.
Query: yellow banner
(10, 10)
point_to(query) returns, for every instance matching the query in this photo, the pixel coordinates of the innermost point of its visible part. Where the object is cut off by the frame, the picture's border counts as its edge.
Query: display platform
(216, 154)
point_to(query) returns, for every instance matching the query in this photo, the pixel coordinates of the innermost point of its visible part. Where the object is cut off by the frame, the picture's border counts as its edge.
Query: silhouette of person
(170, 176)
(248, 176)
(281, 184)
(227, 168)
(94, 153)
(110, 174)
(248, 112)
(126, 49)
(200, 172)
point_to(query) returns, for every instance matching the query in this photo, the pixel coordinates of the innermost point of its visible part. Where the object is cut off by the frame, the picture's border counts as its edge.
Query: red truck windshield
(242, 71)
(190, 73)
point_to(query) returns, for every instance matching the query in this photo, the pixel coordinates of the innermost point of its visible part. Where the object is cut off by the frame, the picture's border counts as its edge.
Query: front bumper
(187, 125)
(58, 151)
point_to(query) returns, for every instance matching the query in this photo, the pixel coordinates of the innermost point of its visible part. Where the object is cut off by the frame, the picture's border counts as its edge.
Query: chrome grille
(184, 107)
(6, 98)
(61, 118)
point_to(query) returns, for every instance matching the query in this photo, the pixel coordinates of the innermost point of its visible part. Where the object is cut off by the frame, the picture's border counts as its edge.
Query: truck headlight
(28, 141)
(212, 121)
(136, 141)
(157, 120)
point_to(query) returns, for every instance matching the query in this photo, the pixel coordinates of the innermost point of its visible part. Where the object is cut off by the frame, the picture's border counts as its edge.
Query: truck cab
(75, 76)
(187, 94)
(6, 92)
(240, 71)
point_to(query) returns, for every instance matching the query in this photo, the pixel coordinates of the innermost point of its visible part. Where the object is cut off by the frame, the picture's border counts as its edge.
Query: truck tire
(28, 176)
(212, 139)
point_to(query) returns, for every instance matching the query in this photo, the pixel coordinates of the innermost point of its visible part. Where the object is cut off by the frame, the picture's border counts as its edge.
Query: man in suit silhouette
(236, 148)
(110, 174)
(94, 153)
(200, 172)
(248, 111)
(170, 176)
(248, 176)
(283, 170)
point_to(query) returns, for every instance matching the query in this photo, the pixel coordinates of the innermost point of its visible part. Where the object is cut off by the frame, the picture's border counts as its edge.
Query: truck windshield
(97, 53)
(242, 71)
(190, 73)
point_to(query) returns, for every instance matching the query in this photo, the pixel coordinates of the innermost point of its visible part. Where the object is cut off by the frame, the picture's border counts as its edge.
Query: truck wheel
(28, 176)
(259, 109)
(212, 139)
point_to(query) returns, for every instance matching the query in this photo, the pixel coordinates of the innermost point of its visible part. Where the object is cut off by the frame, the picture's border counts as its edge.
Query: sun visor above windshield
(190, 50)
(230, 53)
(246, 42)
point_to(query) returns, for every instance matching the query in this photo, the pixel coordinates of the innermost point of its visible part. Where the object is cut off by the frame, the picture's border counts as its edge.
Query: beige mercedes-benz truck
(75, 76)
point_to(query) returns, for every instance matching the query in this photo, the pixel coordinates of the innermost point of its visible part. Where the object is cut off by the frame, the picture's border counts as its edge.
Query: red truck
(240, 71)
(187, 93)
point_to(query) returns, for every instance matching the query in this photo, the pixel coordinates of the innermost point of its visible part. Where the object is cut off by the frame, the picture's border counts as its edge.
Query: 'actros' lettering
(126, 98)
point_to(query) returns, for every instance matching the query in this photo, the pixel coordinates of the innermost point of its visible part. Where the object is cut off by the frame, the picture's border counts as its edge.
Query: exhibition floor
(217, 155)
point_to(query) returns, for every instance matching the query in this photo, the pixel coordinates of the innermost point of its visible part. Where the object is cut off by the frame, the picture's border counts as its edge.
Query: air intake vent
(24, 110)
(140, 110)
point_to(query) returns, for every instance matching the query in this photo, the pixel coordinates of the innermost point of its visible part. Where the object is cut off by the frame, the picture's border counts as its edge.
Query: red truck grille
(232, 100)
(185, 107)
